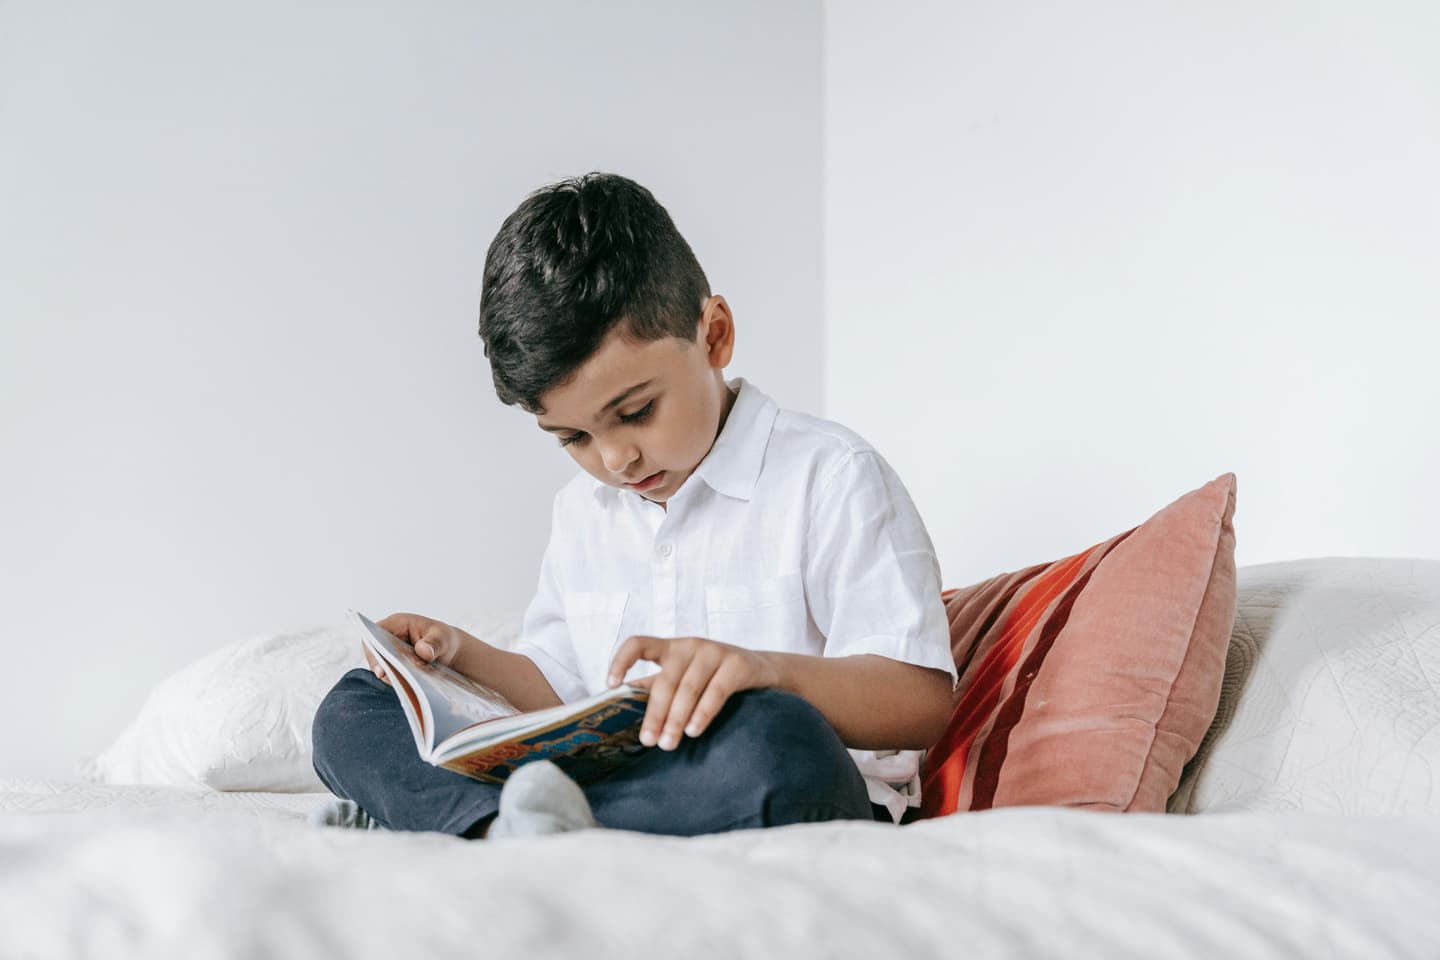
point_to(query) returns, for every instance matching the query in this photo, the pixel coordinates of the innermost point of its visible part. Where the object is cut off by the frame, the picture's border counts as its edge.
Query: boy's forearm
(513, 675)
(873, 702)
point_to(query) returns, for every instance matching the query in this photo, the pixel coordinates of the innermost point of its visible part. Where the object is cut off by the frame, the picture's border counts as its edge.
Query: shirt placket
(664, 560)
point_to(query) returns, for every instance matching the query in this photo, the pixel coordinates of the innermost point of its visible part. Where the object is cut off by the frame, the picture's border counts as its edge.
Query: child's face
(664, 427)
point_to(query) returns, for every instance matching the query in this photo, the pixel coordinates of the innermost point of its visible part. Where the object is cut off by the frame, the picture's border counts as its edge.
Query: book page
(585, 713)
(400, 682)
(455, 701)
(587, 745)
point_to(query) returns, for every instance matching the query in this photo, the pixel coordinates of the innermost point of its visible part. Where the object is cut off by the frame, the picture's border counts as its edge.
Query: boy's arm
(513, 675)
(887, 675)
(873, 702)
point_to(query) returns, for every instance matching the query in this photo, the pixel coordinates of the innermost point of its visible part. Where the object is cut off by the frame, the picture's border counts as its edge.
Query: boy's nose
(618, 458)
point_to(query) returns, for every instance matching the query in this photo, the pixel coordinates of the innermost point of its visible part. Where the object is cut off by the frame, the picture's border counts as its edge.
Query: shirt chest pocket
(594, 618)
(765, 614)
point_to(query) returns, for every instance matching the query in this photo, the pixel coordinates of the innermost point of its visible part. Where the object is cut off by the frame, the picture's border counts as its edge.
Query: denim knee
(333, 727)
(796, 759)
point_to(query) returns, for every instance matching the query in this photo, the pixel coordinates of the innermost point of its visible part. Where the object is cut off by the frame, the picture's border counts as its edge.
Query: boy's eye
(638, 415)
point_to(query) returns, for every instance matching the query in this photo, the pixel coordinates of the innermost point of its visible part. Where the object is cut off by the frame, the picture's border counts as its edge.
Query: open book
(464, 726)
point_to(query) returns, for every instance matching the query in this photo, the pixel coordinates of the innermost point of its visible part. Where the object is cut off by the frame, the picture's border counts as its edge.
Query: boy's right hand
(434, 642)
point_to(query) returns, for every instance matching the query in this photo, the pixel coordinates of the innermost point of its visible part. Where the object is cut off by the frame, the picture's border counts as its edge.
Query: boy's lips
(650, 481)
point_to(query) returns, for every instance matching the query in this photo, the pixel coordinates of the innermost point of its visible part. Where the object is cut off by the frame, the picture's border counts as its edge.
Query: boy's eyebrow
(619, 399)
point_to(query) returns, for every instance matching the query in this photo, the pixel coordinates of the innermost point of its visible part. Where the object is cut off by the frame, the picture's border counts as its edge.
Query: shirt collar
(732, 466)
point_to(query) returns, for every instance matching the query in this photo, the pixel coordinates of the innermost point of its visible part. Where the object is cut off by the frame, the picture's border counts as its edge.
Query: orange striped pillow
(1090, 681)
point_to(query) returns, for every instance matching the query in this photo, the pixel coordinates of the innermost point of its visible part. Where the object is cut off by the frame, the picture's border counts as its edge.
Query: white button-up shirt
(792, 534)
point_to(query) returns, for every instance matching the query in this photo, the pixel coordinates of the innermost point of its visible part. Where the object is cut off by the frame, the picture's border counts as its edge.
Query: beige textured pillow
(1331, 697)
(1090, 681)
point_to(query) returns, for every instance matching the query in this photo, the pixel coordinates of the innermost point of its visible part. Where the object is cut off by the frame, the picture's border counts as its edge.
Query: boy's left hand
(696, 677)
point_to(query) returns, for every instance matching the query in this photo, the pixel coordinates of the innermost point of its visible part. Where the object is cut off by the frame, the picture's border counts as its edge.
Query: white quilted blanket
(124, 871)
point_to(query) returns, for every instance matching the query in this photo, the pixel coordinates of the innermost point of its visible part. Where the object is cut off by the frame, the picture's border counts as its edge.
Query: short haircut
(575, 259)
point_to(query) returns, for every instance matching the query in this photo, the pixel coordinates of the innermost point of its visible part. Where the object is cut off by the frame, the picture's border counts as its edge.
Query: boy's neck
(727, 402)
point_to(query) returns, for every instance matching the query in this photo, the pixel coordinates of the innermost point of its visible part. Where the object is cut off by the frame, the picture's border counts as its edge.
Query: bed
(1307, 824)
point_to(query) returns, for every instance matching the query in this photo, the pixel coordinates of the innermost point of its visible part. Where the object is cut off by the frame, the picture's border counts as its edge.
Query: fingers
(685, 671)
(398, 624)
(683, 696)
(655, 650)
(406, 626)
(721, 686)
(426, 643)
(432, 640)
(375, 666)
(440, 643)
(694, 681)
(634, 648)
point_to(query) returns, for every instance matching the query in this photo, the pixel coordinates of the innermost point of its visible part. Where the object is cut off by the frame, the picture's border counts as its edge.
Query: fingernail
(647, 738)
(693, 730)
(667, 742)
(612, 680)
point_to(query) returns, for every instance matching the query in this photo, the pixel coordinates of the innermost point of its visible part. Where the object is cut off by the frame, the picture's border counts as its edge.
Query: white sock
(539, 798)
(342, 813)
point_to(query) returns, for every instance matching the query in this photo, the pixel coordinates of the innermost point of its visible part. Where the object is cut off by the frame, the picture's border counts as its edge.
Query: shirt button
(663, 550)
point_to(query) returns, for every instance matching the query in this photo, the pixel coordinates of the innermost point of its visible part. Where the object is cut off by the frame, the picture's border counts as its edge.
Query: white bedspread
(96, 871)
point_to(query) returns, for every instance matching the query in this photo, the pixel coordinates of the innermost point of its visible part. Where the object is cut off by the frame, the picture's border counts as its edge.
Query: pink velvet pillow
(1090, 681)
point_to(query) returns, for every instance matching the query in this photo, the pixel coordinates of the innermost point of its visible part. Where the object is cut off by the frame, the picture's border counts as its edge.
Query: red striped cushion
(1090, 681)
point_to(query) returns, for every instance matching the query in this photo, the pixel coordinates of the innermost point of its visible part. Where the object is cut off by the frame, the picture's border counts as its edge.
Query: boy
(763, 572)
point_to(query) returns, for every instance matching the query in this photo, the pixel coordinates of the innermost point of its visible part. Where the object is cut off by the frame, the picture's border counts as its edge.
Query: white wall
(1082, 258)
(241, 386)
(1077, 260)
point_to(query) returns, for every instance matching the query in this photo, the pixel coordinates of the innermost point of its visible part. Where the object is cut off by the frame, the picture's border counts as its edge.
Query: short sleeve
(871, 576)
(544, 635)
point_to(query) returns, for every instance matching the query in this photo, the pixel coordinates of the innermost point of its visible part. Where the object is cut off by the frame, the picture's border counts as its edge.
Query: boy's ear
(718, 330)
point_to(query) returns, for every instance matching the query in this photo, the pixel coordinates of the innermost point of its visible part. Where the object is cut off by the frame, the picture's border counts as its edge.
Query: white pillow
(1331, 697)
(239, 718)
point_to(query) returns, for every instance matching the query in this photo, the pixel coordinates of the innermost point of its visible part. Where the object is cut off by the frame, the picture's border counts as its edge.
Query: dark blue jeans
(768, 758)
